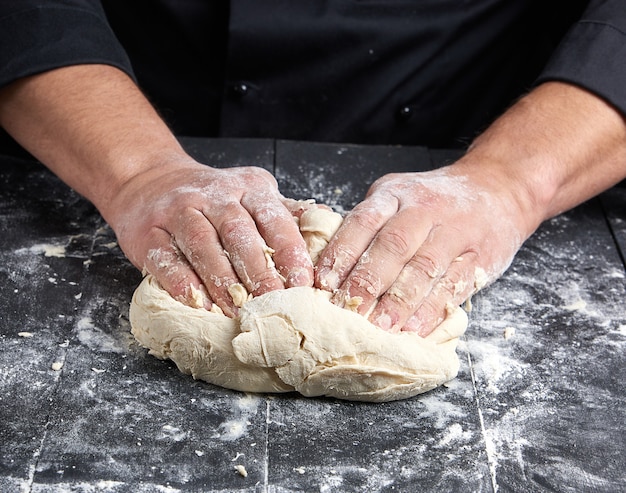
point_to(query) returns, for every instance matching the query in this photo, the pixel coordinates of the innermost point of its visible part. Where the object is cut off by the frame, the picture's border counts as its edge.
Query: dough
(296, 339)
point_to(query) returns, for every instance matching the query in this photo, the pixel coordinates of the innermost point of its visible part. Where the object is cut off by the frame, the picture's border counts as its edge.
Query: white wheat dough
(295, 339)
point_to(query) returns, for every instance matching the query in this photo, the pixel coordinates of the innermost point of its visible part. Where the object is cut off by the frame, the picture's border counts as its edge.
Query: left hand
(420, 241)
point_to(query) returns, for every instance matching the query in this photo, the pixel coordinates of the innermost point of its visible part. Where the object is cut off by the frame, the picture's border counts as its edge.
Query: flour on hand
(296, 340)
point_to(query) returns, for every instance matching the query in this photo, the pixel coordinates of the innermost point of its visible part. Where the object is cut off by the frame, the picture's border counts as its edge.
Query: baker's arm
(420, 241)
(188, 224)
(563, 144)
(433, 238)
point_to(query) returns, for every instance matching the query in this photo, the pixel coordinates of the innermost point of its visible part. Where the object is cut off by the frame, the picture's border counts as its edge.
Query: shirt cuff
(592, 56)
(44, 38)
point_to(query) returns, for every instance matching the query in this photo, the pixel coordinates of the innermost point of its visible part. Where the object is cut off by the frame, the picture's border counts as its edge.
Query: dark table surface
(542, 410)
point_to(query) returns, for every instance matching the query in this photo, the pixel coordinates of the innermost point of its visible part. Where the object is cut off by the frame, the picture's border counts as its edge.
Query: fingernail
(412, 324)
(329, 279)
(423, 330)
(299, 277)
(415, 323)
(384, 322)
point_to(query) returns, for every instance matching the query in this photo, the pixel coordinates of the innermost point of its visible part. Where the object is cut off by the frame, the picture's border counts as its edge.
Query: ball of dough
(296, 340)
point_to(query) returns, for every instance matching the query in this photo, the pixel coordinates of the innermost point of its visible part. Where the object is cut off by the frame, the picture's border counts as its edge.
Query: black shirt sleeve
(592, 54)
(36, 36)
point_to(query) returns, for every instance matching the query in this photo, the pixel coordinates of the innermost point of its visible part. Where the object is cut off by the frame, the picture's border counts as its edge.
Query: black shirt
(426, 72)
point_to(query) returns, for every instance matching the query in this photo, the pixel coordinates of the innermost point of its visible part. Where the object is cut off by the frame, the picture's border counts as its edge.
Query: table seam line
(491, 463)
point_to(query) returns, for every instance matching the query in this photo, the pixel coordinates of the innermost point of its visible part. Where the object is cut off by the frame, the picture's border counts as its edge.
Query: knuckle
(395, 241)
(194, 242)
(252, 175)
(363, 283)
(264, 281)
(386, 181)
(425, 262)
(271, 215)
(232, 230)
(401, 298)
(405, 290)
(454, 288)
(193, 238)
(336, 259)
(165, 262)
(445, 288)
(369, 220)
(457, 283)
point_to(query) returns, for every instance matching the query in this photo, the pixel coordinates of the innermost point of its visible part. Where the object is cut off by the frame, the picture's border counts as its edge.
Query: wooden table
(542, 410)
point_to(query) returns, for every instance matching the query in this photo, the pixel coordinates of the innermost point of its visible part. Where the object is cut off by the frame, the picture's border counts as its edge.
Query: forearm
(420, 241)
(554, 149)
(199, 230)
(90, 125)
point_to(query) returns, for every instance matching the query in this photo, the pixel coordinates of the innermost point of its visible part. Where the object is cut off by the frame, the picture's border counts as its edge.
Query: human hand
(200, 231)
(420, 241)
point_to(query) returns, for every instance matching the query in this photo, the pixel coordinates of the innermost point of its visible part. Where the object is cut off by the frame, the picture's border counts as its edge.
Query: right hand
(199, 230)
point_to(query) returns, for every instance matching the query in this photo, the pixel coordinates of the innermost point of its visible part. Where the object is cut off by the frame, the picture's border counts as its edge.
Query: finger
(199, 242)
(280, 231)
(416, 279)
(382, 263)
(173, 272)
(351, 240)
(246, 249)
(453, 288)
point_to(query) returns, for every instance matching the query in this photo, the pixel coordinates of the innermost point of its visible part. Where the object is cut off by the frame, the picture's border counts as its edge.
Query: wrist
(512, 194)
(91, 125)
(137, 178)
